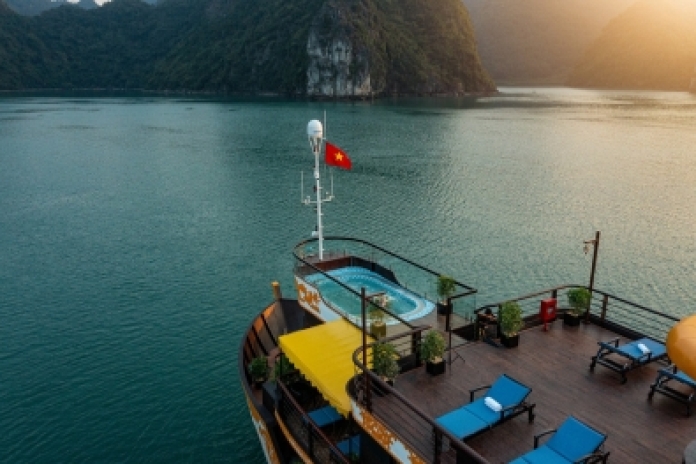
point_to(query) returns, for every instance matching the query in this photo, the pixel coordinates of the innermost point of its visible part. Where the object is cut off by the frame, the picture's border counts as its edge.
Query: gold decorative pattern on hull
(264, 437)
(385, 437)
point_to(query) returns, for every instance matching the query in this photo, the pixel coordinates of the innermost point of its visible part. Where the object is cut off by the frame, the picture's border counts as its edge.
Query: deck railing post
(415, 347)
(310, 442)
(368, 392)
(438, 446)
(605, 304)
(366, 377)
(595, 243)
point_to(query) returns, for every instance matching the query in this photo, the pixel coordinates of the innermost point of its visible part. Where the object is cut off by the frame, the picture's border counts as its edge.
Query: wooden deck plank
(555, 365)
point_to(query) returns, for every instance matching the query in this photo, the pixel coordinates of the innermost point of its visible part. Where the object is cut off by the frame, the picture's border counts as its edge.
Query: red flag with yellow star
(336, 157)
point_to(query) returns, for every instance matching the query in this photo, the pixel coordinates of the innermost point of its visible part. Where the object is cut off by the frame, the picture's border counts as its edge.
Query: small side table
(690, 453)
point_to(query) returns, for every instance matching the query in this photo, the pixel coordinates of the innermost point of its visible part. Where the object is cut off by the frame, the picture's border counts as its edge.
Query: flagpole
(320, 226)
(315, 134)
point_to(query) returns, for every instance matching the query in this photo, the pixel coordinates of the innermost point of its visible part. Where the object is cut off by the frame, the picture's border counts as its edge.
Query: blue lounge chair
(631, 352)
(573, 442)
(476, 417)
(664, 376)
(349, 447)
(325, 416)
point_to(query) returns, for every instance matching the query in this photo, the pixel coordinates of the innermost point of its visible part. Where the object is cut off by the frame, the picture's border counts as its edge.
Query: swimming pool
(404, 303)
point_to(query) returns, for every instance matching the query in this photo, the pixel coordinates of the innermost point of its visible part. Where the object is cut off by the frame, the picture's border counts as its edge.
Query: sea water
(139, 237)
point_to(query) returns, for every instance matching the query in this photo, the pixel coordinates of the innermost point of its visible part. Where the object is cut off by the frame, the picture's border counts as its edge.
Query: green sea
(139, 236)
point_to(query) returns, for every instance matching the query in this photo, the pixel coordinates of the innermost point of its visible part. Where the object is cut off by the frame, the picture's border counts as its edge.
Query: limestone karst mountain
(651, 46)
(538, 41)
(339, 48)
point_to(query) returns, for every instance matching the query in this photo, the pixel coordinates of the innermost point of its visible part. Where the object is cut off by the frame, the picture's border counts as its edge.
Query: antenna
(315, 134)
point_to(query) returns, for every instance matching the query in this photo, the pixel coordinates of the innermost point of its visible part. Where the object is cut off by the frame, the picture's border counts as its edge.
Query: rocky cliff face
(358, 48)
(335, 70)
(337, 67)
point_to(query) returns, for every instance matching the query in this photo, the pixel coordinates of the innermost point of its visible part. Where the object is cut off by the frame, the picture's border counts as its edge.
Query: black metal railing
(623, 316)
(306, 433)
(419, 431)
(418, 279)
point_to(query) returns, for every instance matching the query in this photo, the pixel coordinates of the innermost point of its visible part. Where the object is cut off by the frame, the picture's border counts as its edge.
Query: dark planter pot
(443, 309)
(258, 383)
(571, 320)
(510, 342)
(378, 329)
(435, 368)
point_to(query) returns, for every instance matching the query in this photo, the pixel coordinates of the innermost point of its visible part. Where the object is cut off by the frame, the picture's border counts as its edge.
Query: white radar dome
(315, 129)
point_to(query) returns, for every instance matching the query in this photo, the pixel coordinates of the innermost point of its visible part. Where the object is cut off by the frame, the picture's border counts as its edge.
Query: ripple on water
(135, 256)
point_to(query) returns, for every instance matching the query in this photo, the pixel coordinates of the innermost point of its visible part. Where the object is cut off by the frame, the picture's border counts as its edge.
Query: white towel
(643, 348)
(493, 404)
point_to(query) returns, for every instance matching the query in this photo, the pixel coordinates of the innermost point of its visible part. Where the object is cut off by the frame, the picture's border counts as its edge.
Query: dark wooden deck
(555, 365)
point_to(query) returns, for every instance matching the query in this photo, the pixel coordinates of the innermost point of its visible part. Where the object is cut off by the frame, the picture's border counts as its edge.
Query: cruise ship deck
(399, 423)
(555, 364)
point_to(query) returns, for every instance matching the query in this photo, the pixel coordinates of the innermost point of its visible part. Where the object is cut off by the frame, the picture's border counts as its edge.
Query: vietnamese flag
(336, 157)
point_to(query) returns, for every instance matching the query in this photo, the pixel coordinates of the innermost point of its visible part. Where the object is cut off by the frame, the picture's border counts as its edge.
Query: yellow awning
(324, 355)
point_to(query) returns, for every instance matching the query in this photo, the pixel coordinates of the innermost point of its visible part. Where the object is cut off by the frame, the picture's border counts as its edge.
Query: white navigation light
(315, 132)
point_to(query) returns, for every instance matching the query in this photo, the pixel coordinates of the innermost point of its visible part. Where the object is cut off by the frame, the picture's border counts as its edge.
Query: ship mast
(315, 133)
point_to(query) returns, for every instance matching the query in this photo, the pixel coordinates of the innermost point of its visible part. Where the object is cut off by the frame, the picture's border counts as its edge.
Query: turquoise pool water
(404, 303)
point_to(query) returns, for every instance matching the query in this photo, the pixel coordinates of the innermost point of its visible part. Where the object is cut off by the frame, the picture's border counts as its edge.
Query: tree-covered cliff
(315, 47)
(650, 46)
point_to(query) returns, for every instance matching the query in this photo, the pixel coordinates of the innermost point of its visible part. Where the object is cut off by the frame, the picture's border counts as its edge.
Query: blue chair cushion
(325, 416)
(350, 445)
(632, 351)
(476, 416)
(541, 455)
(462, 423)
(573, 440)
(508, 392)
(479, 409)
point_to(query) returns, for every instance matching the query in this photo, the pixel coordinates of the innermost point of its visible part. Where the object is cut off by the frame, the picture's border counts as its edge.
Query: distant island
(651, 46)
(36, 7)
(538, 42)
(317, 48)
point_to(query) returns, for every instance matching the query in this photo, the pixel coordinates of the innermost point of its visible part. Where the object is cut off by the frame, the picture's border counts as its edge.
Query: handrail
(365, 242)
(455, 442)
(287, 395)
(469, 290)
(325, 274)
(563, 287)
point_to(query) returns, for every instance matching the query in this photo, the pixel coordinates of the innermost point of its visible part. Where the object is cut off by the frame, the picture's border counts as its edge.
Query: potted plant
(432, 350)
(285, 370)
(258, 369)
(510, 324)
(384, 356)
(377, 316)
(579, 301)
(446, 286)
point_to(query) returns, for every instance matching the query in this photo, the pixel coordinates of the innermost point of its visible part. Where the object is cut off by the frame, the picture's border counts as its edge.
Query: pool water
(404, 303)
